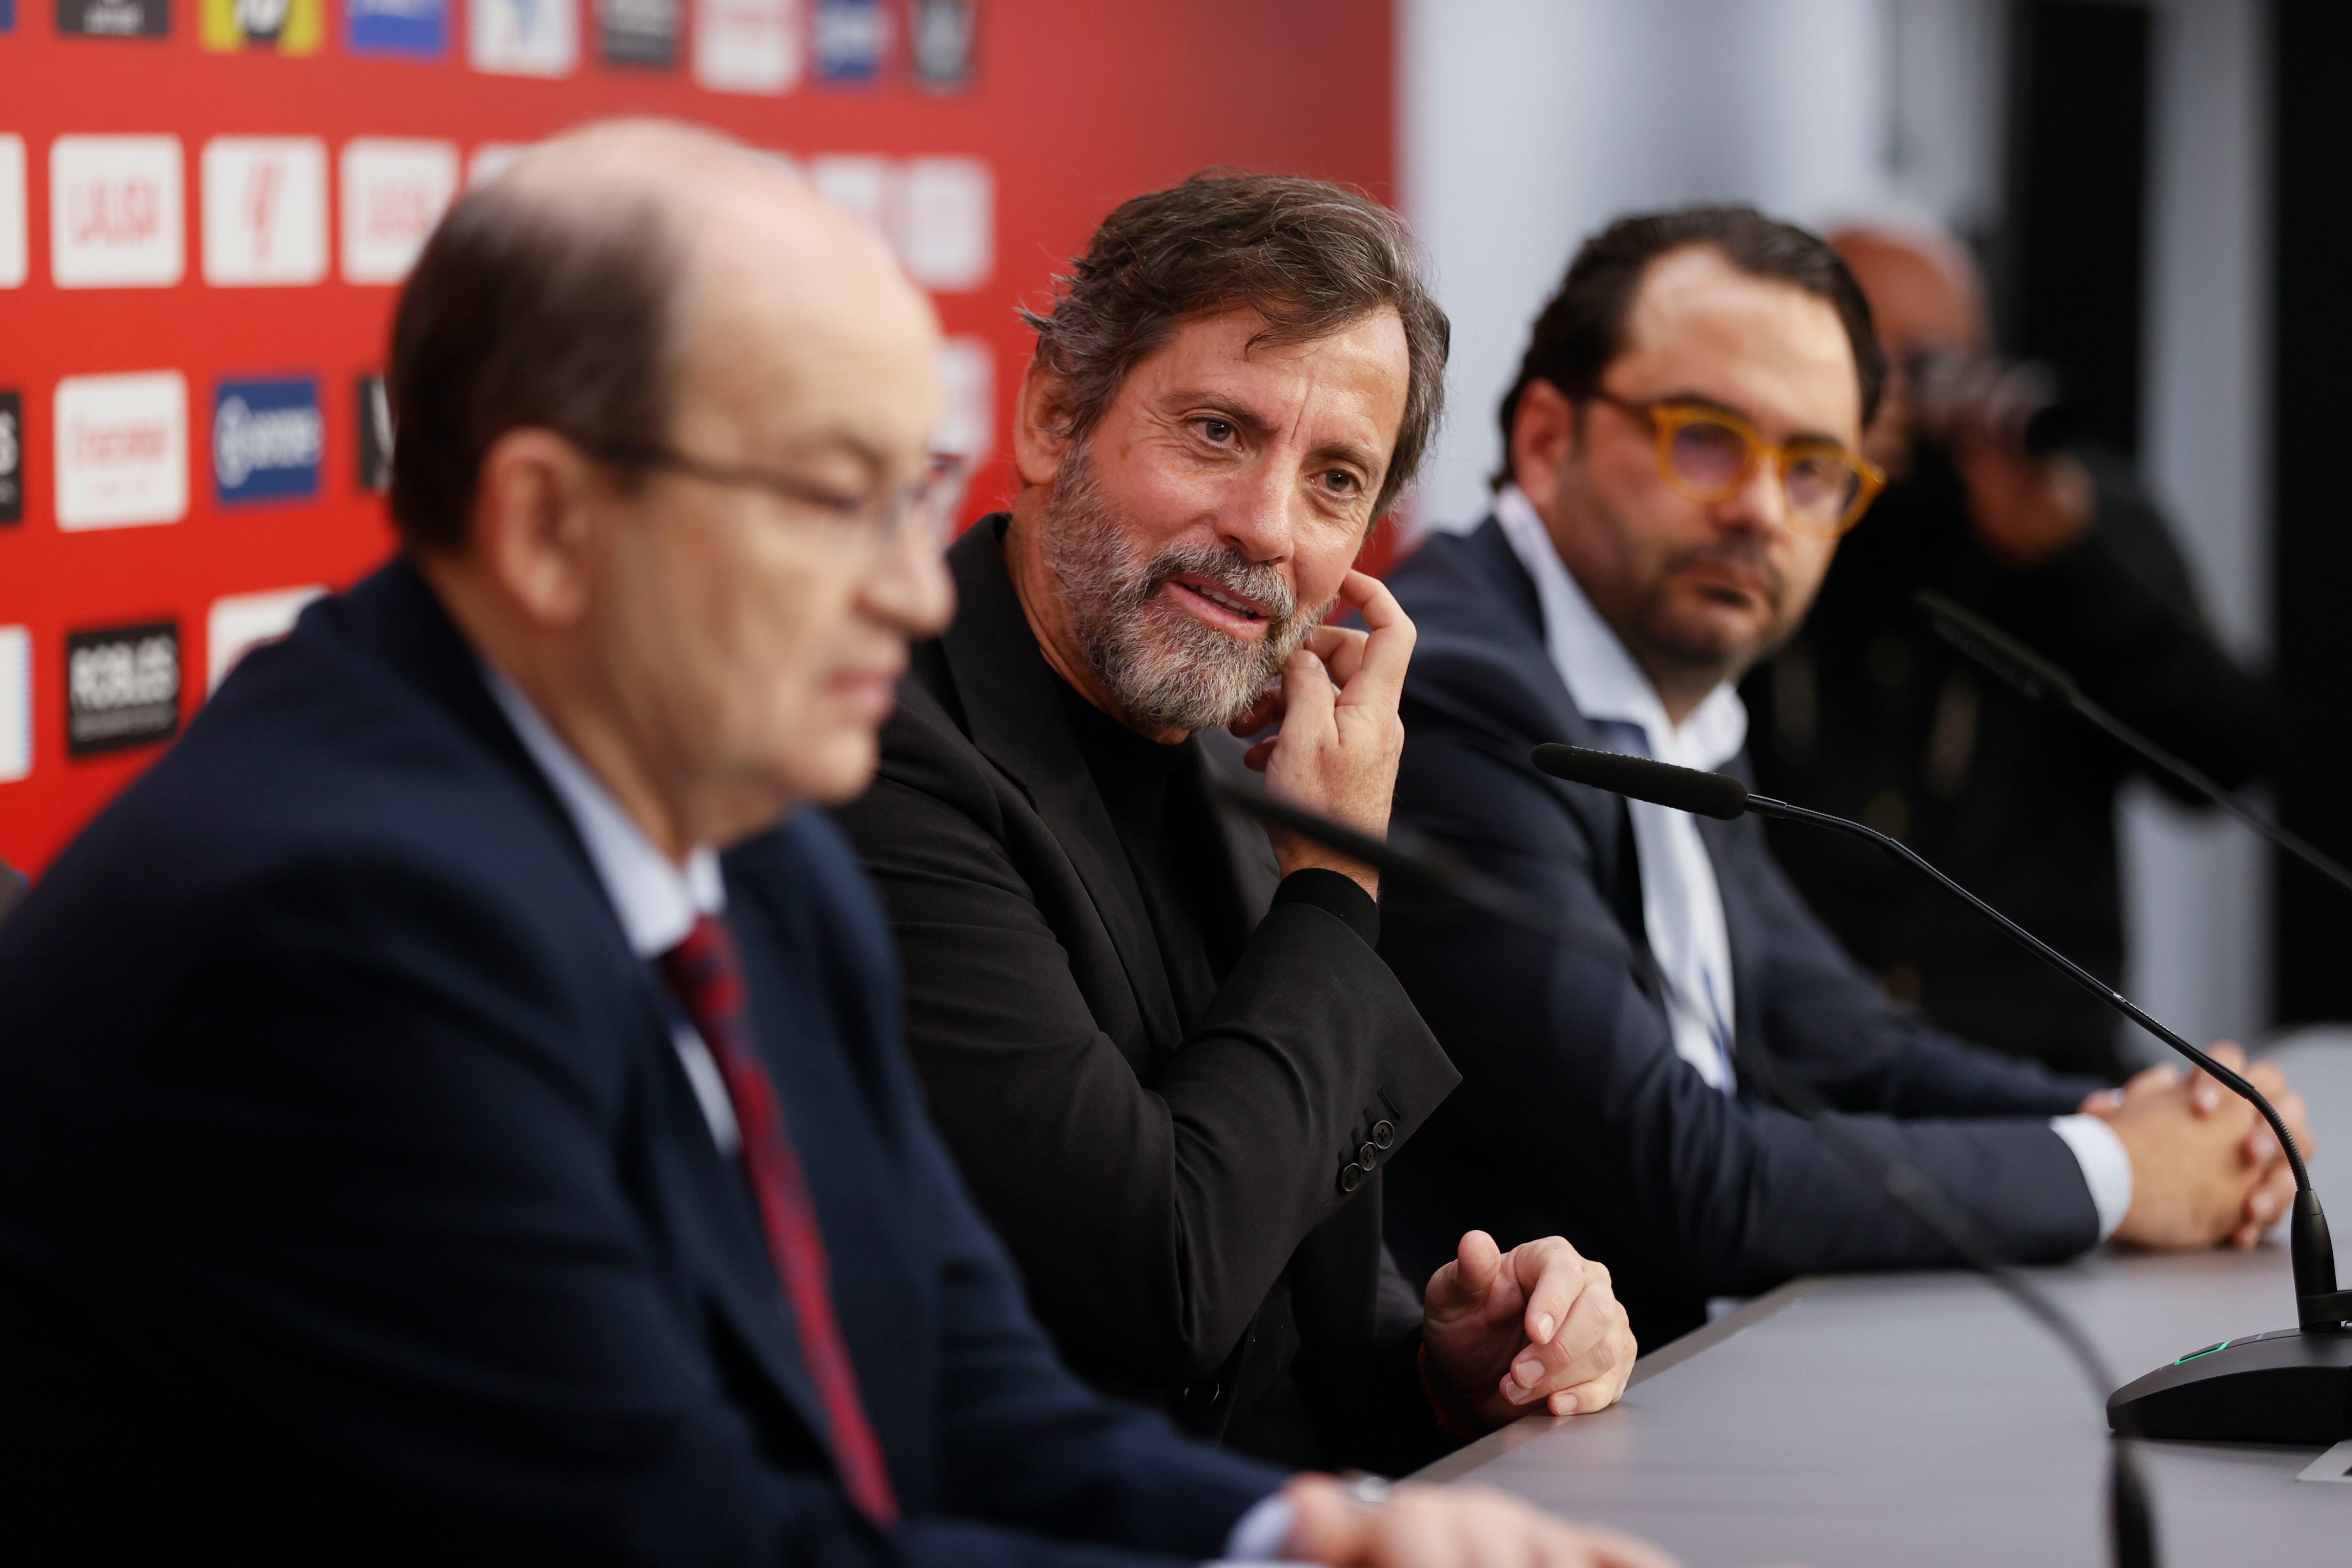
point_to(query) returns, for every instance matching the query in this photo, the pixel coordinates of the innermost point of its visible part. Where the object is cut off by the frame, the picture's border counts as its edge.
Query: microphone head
(1717, 795)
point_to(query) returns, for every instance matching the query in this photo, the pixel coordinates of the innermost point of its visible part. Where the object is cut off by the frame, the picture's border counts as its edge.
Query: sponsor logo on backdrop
(240, 623)
(524, 37)
(115, 218)
(122, 450)
(747, 45)
(115, 19)
(122, 687)
(15, 703)
(12, 457)
(376, 435)
(637, 32)
(849, 38)
(397, 26)
(265, 209)
(7, 16)
(939, 42)
(861, 186)
(947, 220)
(967, 400)
(289, 26)
(12, 249)
(267, 439)
(393, 192)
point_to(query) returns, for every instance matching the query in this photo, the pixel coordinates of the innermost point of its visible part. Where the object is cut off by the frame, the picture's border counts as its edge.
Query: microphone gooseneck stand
(1410, 861)
(2289, 1385)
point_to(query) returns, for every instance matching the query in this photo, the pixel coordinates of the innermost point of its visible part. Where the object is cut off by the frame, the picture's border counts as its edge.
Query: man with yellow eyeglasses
(1681, 458)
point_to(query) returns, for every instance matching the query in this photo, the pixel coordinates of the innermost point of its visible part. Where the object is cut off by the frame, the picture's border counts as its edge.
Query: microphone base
(2288, 1386)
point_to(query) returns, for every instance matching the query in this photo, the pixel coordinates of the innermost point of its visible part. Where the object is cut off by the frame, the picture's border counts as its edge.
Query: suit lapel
(1012, 704)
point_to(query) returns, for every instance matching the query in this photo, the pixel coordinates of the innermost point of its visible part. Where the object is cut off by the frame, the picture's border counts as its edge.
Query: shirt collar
(657, 899)
(1602, 679)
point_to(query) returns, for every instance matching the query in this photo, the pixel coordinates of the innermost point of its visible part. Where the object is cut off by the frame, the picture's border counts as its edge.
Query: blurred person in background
(1167, 1056)
(1868, 714)
(502, 1150)
(12, 888)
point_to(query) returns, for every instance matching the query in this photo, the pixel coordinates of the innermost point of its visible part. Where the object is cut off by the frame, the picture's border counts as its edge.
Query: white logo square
(525, 37)
(967, 426)
(947, 223)
(393, 192)
(122, 449)
(239, 623)
(12, 249)
(115, 214)
(747, 45)
(265, 205)
(15, 703)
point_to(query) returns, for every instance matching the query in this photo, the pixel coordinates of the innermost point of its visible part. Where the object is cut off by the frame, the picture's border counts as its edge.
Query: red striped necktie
(705, 975)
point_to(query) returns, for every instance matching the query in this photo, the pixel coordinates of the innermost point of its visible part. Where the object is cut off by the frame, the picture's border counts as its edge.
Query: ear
(1543, 434)
(534, 524)
(1040, 436)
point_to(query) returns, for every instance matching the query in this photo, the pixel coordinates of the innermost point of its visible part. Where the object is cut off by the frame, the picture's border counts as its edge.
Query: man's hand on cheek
(1535, 1329)
(1448, 1527)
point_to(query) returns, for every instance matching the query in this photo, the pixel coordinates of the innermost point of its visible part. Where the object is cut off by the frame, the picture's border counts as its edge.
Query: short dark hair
(1308, 256)
(1582, 329)
(524, 311)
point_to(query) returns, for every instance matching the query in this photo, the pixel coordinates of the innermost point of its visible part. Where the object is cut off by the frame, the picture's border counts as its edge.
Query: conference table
(1923, 1419)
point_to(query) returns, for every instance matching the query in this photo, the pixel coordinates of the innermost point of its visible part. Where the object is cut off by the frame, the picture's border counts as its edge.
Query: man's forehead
(1778, 352)
(1235, 352)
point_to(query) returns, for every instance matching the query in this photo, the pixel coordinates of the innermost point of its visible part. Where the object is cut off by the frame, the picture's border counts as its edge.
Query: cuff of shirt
(2106, 1168)
(1336, 894)
(1259, 1535)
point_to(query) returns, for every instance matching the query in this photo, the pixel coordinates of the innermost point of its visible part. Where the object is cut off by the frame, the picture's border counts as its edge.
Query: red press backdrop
(196, 260)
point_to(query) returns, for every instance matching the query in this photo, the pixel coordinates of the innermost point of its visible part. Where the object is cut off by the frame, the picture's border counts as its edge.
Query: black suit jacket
(1575, 1114)
(1179, 1202)
(1868, 714)
(354, 1203)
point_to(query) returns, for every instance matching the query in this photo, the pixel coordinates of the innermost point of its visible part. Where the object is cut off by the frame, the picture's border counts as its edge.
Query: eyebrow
(1249, 419)
(1701, 400)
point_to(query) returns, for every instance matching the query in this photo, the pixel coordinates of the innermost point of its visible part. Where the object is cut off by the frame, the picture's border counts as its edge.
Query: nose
(1256, 514)
(909, 588)
(1760, 505)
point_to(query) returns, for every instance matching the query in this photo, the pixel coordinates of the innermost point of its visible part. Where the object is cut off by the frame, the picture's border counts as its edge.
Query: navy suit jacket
(1575, 1114)
(354, 1203)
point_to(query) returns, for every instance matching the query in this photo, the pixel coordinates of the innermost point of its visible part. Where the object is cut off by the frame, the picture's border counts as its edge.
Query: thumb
(1466, 1282)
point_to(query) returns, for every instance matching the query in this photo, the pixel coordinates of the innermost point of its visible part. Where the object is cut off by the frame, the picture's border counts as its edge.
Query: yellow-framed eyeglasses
(1707, 454)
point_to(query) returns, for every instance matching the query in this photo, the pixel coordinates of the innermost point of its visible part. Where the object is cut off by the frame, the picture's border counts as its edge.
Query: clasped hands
(2205, 1165)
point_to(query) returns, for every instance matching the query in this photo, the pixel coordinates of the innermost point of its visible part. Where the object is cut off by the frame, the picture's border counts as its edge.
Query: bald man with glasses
(1681, 457)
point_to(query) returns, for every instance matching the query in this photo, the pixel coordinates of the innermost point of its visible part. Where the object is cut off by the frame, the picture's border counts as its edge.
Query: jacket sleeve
(1572, 1084)
(1150, 1213)
(2119, 611)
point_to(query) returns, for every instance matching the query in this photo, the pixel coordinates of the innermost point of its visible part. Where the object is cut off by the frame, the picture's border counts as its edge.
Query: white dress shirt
(657, 899)
(1682, 906)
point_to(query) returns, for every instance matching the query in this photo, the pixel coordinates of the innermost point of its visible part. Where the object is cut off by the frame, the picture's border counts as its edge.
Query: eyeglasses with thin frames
(876, 519)
(1707, 454)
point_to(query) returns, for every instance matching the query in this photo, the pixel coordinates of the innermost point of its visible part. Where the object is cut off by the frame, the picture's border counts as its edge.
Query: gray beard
(1168, 670)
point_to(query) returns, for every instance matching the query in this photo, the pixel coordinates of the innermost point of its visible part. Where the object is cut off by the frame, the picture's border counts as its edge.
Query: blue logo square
(7, 16)
(848, 38)
(414, 27)
(267, 439)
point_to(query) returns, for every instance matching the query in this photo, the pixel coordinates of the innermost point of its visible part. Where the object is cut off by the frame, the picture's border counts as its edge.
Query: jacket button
(1368, 1156)
(1384, 1134)
(1351, 1178)
(1202, 1397)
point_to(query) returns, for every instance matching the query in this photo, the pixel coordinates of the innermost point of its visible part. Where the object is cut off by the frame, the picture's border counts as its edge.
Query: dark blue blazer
(353, 1204)
(1575, 1114)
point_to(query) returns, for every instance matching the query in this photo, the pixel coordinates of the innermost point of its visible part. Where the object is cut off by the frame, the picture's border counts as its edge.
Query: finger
(1308, 701)
(1378, 681)
(2163, 1075)
(1342, 649)
(1326, 1524)
(1261, 714)
(2101, 1103)
(1607, 1549)
(1553, 1275)
(1258, 756)
(1464, 1283)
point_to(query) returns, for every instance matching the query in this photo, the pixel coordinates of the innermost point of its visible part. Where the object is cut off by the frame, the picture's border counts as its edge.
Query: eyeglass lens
(1711, 459)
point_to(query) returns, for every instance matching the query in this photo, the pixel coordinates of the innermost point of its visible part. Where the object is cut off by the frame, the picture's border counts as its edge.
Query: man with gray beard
(1162, 1045)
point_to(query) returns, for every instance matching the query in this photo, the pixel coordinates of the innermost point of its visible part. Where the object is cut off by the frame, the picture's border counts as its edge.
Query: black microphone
(2290, 1385)
(1408, 859)
(2040, 680)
